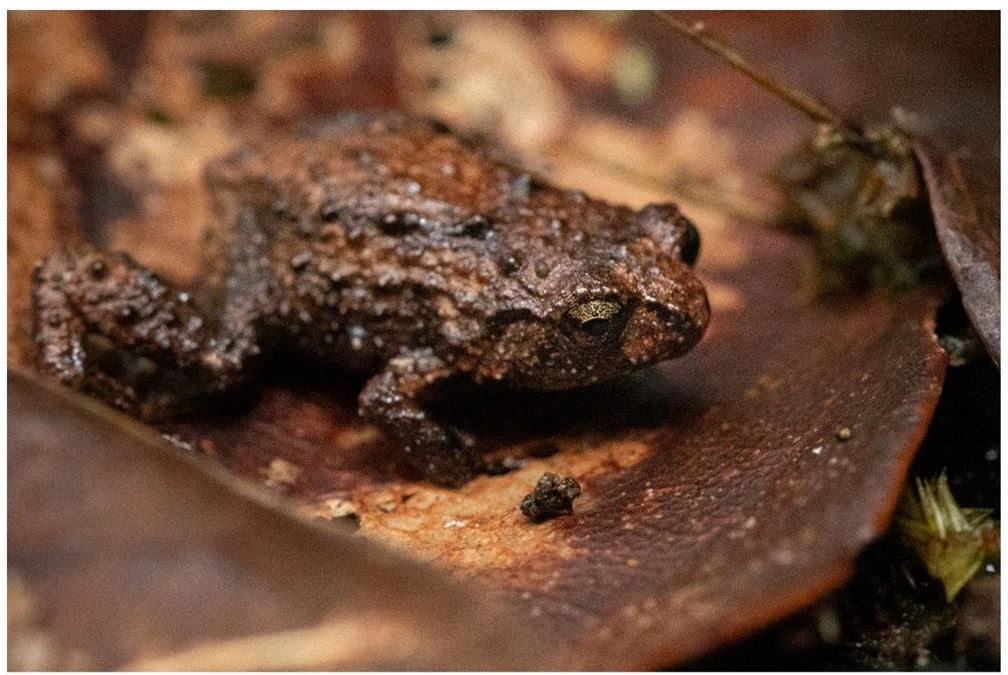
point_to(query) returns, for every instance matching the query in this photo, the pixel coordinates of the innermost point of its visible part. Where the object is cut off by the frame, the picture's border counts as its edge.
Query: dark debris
(552, 496)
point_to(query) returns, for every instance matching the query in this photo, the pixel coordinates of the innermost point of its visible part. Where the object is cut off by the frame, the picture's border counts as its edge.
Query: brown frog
(388, 247)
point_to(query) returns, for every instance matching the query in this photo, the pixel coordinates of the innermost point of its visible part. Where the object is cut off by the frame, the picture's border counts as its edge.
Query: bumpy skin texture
(392, 248)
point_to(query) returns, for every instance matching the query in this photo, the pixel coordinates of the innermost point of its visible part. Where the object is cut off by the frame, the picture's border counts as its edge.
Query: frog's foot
(108, 326)
(391, 400)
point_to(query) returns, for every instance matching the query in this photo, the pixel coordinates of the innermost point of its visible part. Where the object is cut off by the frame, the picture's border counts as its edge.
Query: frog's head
(618, 303)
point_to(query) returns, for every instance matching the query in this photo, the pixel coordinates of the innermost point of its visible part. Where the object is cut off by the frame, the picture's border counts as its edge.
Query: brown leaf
(717, 496)
(127, 553)
(967, 217)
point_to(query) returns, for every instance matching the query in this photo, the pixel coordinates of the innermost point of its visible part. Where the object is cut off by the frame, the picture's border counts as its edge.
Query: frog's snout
(664, 328)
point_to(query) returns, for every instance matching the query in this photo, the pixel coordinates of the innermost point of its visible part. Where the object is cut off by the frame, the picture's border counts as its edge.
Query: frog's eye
(595, 317)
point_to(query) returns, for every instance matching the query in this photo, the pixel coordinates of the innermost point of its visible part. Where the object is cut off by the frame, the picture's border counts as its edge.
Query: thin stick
(796, 98)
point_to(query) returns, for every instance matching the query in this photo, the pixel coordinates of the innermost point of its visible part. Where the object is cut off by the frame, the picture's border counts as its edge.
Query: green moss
(953, 542)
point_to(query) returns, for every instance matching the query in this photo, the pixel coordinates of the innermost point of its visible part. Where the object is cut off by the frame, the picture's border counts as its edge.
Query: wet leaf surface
(717, 495)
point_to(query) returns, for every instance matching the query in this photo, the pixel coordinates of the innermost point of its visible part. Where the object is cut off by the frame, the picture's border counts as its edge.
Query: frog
(393, 249)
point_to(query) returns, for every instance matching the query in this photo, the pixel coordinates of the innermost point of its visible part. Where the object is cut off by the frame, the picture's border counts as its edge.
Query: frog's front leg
(393, 400)
(106, 325)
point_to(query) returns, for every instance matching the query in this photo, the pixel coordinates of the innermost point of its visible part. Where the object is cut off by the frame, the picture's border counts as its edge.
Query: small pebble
(552, 496)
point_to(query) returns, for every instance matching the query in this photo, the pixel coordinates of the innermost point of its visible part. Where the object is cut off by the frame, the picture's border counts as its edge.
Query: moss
(953, 542)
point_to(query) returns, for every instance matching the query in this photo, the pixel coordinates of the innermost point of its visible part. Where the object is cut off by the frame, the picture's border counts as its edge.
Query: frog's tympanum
(389, 248)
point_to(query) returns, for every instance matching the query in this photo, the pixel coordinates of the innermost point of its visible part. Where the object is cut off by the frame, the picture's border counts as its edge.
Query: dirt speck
(552, 496)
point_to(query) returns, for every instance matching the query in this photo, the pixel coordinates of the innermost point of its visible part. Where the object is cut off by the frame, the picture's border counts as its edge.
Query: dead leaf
(128, 553)
(967, 216)
(716, 495)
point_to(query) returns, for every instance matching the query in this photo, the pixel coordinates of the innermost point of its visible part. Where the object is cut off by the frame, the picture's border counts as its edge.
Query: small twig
(793, 96)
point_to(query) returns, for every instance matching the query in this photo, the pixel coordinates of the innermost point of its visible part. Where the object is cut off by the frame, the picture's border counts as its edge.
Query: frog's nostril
(655, 332)
(675, 323)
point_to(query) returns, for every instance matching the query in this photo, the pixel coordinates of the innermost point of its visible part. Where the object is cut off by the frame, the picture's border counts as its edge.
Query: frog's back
(367, 171)
(404, 233)
(402, 176)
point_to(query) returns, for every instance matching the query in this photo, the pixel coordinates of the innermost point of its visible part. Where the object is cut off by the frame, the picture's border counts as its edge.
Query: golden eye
(594, 316)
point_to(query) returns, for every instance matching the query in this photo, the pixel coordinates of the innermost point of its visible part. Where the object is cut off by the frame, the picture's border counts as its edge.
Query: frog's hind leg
(392, 400)
(106, 325)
